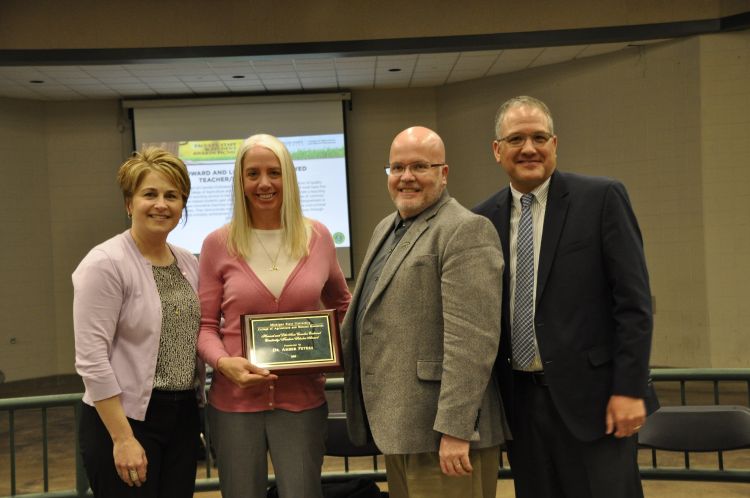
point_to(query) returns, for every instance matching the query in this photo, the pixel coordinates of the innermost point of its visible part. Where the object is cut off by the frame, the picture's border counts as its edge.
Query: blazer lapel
(502, 221)
(402, 249)
(554, 220)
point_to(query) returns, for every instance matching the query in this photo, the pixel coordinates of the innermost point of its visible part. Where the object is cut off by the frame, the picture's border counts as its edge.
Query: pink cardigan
(228, 288)
(117, 322)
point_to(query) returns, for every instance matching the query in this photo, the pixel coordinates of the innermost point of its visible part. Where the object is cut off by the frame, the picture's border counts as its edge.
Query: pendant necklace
(272, 260)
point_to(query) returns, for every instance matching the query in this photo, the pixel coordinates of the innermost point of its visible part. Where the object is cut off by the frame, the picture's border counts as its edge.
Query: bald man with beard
(422, 333)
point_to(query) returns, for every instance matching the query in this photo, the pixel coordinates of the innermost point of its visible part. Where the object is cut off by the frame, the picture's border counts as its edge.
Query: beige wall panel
(375, 119)
(27, 335)
(725, 92)
(86, 143)
(56, 24)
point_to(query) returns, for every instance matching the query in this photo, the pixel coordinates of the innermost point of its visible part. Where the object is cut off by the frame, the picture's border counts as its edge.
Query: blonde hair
(133, 171)
(293, 224)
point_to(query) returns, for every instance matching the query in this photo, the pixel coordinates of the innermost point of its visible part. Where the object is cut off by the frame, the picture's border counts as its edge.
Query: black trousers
(169, 436)
(547, 461)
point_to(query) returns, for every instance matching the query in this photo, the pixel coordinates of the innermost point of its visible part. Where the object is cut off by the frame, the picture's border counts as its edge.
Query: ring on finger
(133, 474)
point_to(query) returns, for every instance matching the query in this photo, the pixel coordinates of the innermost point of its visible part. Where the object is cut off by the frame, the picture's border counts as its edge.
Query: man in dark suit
(576, 321)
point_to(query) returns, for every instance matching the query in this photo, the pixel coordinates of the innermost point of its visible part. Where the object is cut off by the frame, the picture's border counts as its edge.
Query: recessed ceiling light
(36, 81)
(394, 70)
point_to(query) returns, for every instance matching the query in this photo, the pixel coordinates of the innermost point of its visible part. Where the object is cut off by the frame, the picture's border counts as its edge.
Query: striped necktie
(523, 306)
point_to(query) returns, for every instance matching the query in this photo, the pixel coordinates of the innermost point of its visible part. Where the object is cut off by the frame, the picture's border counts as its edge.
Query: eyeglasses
(538, 139)
(417, 168)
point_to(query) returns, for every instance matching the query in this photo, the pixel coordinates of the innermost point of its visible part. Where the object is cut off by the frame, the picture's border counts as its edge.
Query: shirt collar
(540, 194)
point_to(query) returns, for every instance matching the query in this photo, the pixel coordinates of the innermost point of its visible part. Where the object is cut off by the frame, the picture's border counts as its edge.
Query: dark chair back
(697, 428)
(338, 442)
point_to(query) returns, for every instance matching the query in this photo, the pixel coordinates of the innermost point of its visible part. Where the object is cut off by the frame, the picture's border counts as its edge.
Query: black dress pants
(547, 461)
(169, 436)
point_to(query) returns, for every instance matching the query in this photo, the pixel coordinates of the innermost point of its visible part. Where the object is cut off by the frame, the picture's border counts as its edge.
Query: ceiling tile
(215, 76)
(524, 54)
(555, 55)
(151, 71)
(129, 88)
(22, 74)
(601, 48)
(100, 75)
(269, 66)
(215, 85)
(169, 86)
(159, 79)
(465, 75)
(94, 90)
(84, 80)
(246, 77)
(474, 62)
(278, 76)
(316, 74)
(318, 82)
(225, 64)
(118, 79)
(66, 74)
(242, 84)
(315, 64)
(355, 72)
(199, 78)
(501, 67)
(437, 77)
(282, 84)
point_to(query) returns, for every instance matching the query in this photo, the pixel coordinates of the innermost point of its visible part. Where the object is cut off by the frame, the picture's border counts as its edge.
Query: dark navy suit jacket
(593, 316)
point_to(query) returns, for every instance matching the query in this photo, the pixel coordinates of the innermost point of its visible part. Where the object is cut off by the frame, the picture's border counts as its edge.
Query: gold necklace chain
(272, 260)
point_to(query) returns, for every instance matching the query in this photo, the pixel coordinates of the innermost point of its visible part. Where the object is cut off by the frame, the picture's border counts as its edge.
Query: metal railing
(11, 406)
(44, 404)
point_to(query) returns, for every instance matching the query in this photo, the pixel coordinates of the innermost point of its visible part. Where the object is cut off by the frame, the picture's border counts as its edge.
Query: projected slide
(321, 174)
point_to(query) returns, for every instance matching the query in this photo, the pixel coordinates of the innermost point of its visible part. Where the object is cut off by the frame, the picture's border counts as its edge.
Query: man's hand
(625, 415)
(454, 456)
(242, 372)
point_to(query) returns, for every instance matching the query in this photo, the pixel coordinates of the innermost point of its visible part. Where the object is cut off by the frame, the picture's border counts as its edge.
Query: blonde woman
(136, 316)
(268, 259)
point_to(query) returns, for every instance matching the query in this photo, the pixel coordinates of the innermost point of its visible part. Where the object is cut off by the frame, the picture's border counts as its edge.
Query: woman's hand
(242, 372)
(130, 461)
(130, 458)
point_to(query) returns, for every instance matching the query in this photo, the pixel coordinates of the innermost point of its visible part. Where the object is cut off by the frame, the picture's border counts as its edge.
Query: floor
(61, 448)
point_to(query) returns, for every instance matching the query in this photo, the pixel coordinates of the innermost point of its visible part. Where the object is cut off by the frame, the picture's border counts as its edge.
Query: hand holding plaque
(303, 342)
(243, 373)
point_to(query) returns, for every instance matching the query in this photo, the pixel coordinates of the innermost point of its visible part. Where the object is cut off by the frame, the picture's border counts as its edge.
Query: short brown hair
(522, 100)
(131, 172)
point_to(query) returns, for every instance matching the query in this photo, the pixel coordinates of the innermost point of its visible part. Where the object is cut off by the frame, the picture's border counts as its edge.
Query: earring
(130, 215)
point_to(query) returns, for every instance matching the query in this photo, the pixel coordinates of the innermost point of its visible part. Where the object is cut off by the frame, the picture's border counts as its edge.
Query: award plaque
(303, 342)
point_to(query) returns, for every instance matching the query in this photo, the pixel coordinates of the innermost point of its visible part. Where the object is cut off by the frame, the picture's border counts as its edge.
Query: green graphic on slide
(209, 150)
(224, 150)
(339, 238)
(329, 153)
